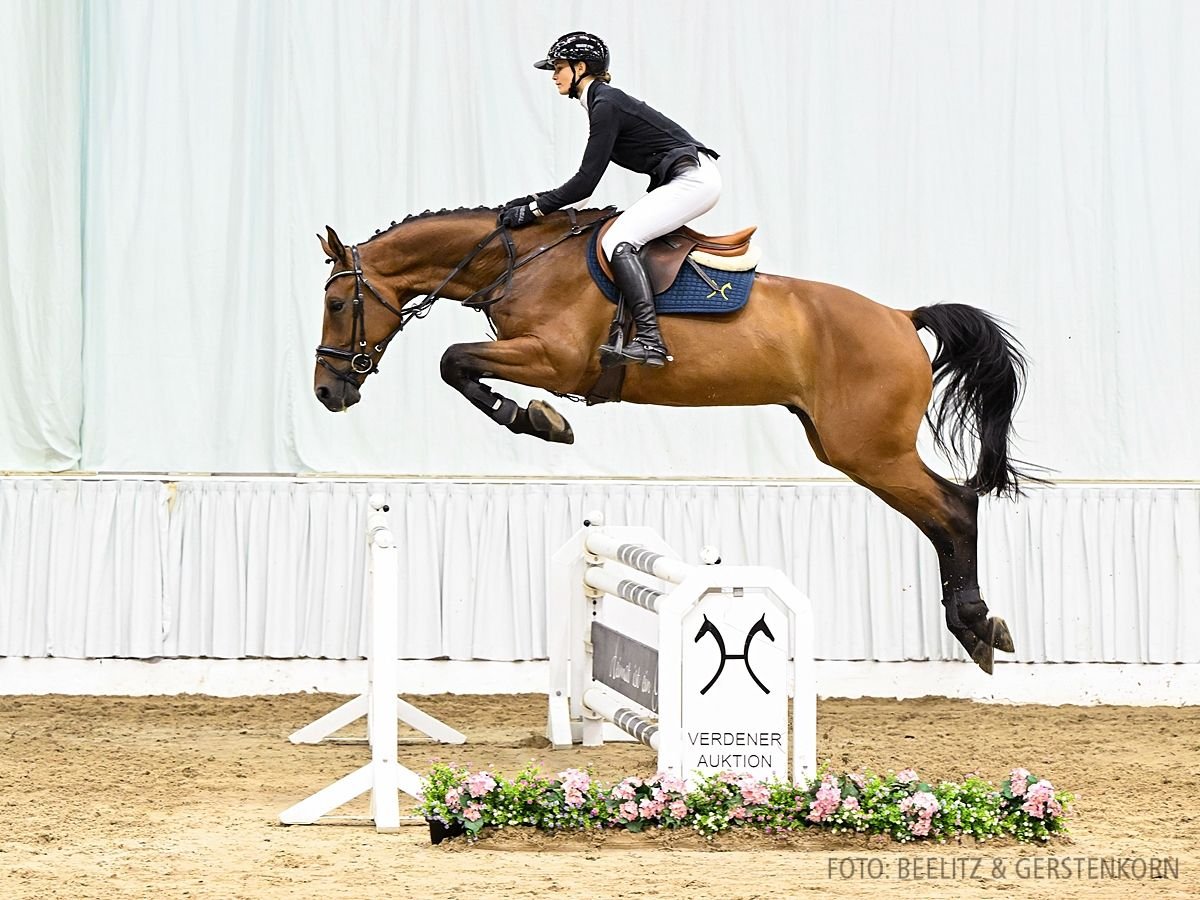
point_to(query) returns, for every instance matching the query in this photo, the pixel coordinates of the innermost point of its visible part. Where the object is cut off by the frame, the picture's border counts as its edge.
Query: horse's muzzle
(338, 396)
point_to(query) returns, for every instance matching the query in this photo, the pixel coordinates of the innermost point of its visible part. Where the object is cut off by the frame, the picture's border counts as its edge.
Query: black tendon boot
(647, 347)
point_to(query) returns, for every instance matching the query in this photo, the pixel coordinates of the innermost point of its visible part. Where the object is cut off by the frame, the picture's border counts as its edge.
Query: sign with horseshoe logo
(759, 627)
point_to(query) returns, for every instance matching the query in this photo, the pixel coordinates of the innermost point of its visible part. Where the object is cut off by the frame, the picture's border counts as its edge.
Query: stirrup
(636, 352)
(610, 356)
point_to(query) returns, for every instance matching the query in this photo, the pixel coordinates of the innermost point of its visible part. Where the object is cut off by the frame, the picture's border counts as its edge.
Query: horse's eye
(337, 305)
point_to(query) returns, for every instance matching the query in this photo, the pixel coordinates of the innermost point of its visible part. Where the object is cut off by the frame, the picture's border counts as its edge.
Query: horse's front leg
(521, 360)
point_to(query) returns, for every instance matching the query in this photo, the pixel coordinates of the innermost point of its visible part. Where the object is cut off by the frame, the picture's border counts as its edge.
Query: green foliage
(900, 805)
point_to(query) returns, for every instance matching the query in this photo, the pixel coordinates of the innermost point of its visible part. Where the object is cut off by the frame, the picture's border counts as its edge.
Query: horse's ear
(333, 246)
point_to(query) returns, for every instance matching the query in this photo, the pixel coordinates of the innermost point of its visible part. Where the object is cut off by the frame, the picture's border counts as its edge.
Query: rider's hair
(593, 69)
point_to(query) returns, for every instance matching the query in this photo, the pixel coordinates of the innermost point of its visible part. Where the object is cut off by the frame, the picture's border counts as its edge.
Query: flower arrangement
(901, 805)
(1030, 808)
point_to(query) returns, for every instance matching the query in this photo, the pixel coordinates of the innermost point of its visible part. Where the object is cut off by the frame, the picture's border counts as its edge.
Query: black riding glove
(518, 201)
(516, 217)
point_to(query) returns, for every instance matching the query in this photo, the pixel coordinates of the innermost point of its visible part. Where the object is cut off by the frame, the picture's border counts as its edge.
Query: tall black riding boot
(647, 347)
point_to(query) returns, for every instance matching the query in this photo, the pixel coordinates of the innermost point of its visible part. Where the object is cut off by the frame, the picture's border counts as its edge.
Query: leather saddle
(664, 255)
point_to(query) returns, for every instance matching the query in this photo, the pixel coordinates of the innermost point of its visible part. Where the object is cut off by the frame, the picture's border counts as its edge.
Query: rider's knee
(609, 242)
(625, 248)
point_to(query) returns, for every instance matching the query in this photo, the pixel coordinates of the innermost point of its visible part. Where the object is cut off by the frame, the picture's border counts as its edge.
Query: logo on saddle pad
(725, 287)
(697, 286)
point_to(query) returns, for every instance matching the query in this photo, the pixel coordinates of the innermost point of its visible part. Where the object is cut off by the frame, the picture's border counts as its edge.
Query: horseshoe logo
(708, 627)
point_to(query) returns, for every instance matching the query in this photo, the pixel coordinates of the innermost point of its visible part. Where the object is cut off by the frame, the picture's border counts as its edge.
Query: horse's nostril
(322, 392)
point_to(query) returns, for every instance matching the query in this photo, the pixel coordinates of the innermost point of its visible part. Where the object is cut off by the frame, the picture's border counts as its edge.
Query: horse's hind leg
(518, 360)
(950, 522)
(946, 513)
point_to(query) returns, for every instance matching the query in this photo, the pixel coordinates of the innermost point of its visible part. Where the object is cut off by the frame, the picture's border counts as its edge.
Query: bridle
(363, 361)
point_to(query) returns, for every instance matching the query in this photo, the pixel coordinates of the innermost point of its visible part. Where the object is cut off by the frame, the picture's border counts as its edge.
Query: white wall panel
(273, 568)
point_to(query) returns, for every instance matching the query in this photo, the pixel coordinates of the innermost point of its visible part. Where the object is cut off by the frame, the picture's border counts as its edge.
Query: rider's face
(564, 72)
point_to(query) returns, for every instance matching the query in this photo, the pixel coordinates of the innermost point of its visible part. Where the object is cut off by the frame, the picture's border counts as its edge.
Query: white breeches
(683, 198)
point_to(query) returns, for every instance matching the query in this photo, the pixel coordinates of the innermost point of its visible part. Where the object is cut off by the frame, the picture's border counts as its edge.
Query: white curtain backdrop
(41, 306)
(165, 166)
(274, 568)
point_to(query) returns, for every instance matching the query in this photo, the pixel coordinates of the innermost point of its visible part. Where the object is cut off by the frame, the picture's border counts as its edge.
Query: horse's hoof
(983, 656)
(546, 420)
(1001, 639)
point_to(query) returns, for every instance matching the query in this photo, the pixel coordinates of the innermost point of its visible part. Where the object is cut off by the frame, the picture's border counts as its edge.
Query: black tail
(981, 371)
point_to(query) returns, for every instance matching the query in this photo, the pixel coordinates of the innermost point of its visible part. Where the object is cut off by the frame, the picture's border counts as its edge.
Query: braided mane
(436, 213)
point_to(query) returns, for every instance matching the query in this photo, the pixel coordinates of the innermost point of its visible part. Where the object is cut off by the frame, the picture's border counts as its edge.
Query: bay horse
(854, 372)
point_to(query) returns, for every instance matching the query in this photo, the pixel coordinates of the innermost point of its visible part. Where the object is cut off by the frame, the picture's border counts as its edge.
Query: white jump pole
(383, 776)
(628, 720)
(637, 557)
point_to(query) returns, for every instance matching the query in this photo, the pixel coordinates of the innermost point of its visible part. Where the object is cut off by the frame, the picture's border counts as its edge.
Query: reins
(363, 361)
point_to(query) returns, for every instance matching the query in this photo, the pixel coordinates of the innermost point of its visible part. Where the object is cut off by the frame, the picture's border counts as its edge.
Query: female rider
(684, 181)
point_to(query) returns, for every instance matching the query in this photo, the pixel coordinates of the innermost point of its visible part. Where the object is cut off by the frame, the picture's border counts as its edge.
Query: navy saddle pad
(690, 293)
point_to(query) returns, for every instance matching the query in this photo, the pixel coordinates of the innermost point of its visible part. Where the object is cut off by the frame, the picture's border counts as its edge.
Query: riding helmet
(578, 46)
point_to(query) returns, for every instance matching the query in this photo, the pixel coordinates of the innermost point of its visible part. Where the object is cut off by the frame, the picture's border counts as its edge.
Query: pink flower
(1020, 781)
(1038, 798)
(753, 790)
(925, 805)
(452, 797)
(922, 801)
(574, 797)
(480, 783)
(739, 812)
(727, 777)
(471, 812)
(850, 803)
(672, 784)
(678, 809)
(629, 810)
(906, 776)
(829, 796)
(623, 791)
(858, 780)
(755, 793)
(573, 778)
(651, 809)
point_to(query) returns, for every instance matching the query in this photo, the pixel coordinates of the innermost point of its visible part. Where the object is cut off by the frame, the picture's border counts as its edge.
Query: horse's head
(371, 293)
(362, 314)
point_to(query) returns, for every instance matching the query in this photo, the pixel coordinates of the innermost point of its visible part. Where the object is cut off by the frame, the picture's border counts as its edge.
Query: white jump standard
(644, 645)
(383, 776)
